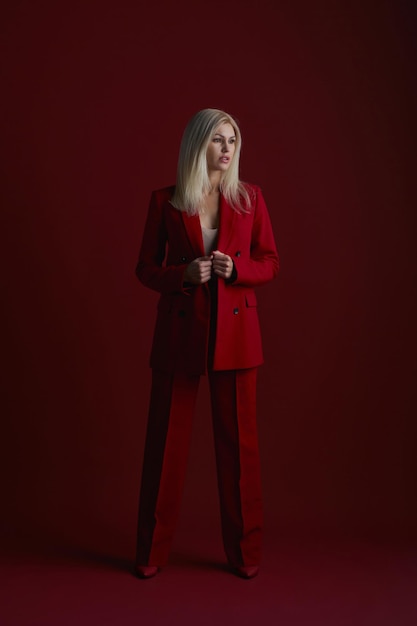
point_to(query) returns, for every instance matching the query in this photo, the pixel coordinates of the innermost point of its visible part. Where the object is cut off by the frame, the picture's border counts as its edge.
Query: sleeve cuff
(233, 276)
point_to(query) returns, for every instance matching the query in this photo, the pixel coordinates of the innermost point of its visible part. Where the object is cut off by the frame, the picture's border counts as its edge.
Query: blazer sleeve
(151, 269)
(263, 263)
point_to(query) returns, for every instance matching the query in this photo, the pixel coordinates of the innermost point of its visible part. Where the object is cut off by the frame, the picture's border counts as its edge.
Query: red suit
(203, 329)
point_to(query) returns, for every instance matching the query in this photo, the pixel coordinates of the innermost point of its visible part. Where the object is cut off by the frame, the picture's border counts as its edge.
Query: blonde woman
(207, 243)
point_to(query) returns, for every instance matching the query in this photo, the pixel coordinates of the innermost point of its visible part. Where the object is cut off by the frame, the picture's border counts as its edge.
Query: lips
(225, 159)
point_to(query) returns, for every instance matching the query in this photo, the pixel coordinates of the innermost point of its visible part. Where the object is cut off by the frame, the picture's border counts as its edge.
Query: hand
(198, 271)
(222, 264)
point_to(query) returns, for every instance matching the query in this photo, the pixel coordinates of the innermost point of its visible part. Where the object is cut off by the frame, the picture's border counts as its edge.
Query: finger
(205, 276)
(225, 271)
(221, 266)
(221, 257)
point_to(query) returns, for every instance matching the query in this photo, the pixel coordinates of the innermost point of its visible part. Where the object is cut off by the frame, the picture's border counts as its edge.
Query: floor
(320, 582)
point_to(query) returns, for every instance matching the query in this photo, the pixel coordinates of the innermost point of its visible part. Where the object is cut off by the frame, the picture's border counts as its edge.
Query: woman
(207, 242)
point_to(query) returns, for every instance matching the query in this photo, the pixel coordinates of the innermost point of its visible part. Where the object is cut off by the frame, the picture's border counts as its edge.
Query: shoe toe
(146, 571)
(246, 571)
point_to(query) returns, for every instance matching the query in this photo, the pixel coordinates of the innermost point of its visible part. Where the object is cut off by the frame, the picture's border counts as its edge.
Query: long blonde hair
(193, 181)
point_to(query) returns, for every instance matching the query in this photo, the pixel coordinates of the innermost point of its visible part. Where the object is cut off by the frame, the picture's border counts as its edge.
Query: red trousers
(233, 401)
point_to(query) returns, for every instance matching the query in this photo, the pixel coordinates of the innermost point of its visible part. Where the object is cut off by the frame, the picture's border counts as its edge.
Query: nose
(225, 147)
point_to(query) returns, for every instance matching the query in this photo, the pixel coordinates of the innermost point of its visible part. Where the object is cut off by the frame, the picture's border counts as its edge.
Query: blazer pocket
(251, 299)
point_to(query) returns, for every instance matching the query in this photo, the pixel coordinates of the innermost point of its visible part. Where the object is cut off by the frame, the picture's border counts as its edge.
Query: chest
(234, 231)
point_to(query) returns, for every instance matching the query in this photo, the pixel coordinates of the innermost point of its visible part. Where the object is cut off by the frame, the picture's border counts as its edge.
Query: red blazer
(171, 240)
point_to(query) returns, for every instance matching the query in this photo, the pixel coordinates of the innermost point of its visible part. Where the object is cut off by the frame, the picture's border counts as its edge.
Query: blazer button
(237, 253)
(183, 259)
(235, 311)
(181, 313)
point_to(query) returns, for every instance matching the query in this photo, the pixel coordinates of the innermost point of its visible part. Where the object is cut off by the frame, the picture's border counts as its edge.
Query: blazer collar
(226, 223)
(193, 228)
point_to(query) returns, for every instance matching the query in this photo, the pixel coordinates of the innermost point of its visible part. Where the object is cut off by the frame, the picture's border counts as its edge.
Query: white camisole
(209, 239)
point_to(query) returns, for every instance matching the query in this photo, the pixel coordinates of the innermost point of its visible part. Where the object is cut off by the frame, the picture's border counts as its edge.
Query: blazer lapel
(193, 228)
(227, 218)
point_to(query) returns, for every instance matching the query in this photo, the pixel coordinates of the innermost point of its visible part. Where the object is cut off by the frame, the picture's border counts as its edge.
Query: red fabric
(233, 399)
(171, 240)
(233, 396)
(164, 464)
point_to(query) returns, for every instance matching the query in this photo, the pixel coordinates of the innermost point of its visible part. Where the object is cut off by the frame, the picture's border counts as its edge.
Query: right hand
(198, 271)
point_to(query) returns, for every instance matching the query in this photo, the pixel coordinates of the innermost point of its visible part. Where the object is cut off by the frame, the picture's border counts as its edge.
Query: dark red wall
(96, 97)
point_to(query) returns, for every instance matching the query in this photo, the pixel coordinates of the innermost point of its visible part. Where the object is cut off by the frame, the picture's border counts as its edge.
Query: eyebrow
(220, 135)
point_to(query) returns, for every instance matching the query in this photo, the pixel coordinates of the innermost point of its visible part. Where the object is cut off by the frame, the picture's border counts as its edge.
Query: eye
(217, 139)
(233, 140)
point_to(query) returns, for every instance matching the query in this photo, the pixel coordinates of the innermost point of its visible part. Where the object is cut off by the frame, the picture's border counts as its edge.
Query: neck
(215, 179)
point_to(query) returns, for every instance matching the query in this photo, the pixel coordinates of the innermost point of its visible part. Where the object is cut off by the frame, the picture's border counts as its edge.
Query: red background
(96, 97)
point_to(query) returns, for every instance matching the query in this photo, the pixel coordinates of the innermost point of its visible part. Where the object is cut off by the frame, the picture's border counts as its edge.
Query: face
(221, 148)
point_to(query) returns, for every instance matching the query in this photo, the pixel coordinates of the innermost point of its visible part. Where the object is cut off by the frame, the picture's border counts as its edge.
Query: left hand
(222, 264)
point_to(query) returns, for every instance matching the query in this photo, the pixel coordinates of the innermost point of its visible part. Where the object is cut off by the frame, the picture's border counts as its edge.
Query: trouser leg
(233, 396)
(166, 450)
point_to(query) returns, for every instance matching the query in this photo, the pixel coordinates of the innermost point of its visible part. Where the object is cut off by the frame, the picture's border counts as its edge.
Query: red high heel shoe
(146, 571)
(246, 571)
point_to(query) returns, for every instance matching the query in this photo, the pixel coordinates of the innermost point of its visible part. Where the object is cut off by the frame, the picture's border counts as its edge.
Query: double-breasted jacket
(171, 240)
